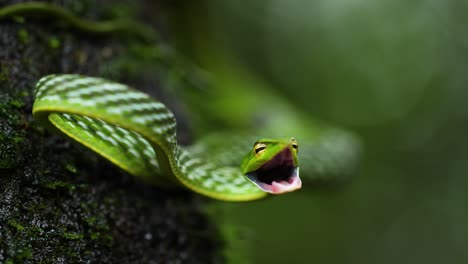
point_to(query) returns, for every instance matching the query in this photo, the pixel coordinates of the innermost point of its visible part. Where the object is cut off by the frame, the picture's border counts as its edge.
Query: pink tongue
(284, 186)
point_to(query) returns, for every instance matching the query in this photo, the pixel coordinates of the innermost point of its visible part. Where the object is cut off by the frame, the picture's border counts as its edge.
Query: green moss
(91, 221)
(23, 94)
(12, 125)
(16, 225)
(60, 185)
(17, 139)
(95, 235)
(17, 103)
(23, 254)
(39, 206)
(72, 236)
(71, 168)
(23, 36)
(4, 72)
(19, 19)
(53, 42)
(6, 163)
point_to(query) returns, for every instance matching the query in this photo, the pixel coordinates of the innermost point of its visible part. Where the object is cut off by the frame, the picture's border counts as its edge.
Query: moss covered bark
(60, 203)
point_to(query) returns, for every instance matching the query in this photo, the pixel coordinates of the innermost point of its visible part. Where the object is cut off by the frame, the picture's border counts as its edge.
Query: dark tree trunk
(61, 203)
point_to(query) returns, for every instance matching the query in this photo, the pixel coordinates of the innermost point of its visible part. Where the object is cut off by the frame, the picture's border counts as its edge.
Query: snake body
(135, 132)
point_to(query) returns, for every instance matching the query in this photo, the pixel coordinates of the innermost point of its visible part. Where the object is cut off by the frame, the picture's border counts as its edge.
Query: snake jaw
(278, 175)
(292, 183)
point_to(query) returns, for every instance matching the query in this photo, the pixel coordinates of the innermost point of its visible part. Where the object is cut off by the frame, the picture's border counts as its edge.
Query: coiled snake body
(138, 134)
(129, 128)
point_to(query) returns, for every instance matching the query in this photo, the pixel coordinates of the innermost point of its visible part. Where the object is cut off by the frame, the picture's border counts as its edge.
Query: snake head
(272, 165)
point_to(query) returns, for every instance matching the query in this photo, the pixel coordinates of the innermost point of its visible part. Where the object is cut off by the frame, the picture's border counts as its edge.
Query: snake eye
(259, 147)
(294, 144)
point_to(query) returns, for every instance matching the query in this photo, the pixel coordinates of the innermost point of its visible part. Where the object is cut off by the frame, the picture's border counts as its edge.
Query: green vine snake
(138, 134)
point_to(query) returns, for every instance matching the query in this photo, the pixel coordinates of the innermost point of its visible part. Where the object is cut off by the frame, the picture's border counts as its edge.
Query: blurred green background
(395, 72)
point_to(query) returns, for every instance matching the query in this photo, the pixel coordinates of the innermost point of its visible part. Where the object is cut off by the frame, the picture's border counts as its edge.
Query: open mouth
(278, 175)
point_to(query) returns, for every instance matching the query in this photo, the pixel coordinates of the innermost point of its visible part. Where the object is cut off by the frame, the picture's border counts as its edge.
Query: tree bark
(61, 203)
